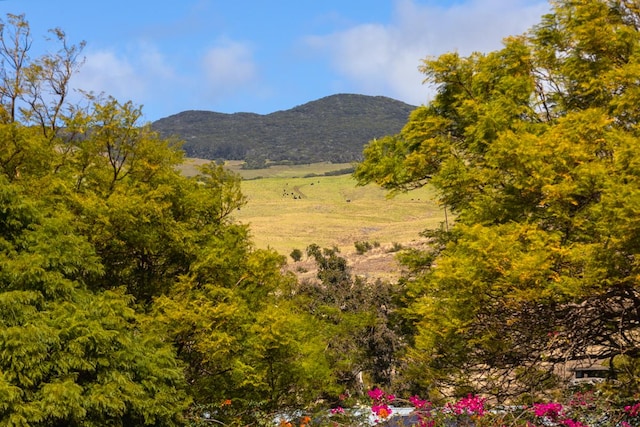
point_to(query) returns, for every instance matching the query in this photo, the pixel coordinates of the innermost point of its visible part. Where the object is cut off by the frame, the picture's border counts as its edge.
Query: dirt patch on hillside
(377, 263)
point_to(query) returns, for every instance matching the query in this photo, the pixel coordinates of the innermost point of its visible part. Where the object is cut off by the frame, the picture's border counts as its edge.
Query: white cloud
(227, 67)
(174, 72)
(154, 64)
(384, 59)
(141, 74)
(147, 76)
(104, 71)
(134, 75)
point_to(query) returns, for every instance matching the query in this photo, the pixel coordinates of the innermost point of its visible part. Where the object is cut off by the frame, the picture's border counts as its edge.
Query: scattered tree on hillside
(534, 147)
(296, 255)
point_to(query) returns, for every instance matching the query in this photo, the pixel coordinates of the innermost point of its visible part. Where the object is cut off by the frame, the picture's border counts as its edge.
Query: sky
(262, 56)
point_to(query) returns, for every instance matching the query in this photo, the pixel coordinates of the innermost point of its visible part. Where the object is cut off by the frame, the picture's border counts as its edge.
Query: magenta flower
(337, 410)
(382, 411)
(572, 423)
(632, 411)
(582, 399)
(471, 405)
(376, 394)
(417, 402)
(551, 409)
(426, 422)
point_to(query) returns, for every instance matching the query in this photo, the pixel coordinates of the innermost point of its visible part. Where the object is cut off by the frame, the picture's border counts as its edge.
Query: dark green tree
(296, 255)
(357, 320)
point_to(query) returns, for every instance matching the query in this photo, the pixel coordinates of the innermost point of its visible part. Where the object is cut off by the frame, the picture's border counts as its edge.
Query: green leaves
(533, 147)
(88, 358)
(62, 346)
(128, 293)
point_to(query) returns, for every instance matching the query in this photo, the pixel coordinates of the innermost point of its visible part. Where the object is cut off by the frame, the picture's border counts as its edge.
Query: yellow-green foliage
(535, 148)
(128, 295)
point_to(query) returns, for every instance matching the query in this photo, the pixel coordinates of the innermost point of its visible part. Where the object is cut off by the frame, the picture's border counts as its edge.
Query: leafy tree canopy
(357, 320)
(128, 294)
(534, 148)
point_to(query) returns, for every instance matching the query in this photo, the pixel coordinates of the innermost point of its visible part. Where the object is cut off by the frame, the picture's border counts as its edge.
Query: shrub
(581, 409)
(296, 255)
(362, 247)
(396, 247)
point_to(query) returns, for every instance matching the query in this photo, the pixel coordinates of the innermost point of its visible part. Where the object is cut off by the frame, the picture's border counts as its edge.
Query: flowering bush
(581, 410)
(381, 402)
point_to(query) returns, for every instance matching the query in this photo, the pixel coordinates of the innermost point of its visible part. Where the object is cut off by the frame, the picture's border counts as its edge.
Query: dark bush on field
(345, 171)
(363, 247)
(296, 255)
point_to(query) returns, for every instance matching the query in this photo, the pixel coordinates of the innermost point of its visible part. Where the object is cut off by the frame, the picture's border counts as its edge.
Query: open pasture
(287, 212)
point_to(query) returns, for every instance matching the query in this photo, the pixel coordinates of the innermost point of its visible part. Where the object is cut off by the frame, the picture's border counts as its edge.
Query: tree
(35, 91)
(129, 295)
(296, 255)
(532, 148)
(242, 337)
(69, 356)
(356, 319)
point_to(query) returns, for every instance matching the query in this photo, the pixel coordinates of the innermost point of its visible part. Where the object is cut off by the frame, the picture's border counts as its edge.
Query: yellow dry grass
(292, 212)
(291, 207)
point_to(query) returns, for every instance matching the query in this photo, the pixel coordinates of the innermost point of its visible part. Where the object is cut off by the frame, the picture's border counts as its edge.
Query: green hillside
(333, 129)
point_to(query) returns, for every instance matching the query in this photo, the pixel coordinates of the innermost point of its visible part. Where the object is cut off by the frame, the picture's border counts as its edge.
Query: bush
(296, 255)
(581, 409)
(362, 247)
(338, 172)
(396, 247)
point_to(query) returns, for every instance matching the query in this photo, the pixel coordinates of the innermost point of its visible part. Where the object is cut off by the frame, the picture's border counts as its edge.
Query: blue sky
(262, 56)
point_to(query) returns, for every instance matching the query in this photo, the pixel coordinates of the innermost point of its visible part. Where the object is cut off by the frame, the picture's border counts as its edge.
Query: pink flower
(429, 422)
(572, 423)
(417, 402)
(582, 399)
(376, 394)
(471, 405)
(382, 411)
(337, 410)
(633, 411)
(551, 409)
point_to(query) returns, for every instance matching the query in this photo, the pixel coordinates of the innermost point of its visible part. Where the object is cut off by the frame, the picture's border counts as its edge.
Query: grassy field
(287, 209)
(291, 207)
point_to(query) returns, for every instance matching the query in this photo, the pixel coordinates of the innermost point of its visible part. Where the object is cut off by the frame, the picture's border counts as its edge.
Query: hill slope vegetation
(334, 129)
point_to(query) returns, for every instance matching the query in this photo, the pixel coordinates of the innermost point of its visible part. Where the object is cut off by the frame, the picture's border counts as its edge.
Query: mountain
(334, 129)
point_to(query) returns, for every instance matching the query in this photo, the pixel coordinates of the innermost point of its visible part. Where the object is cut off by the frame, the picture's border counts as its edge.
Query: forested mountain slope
(334, 128)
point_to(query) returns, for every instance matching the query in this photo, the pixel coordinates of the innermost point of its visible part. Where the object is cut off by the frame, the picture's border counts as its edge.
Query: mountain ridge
(334, 128)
